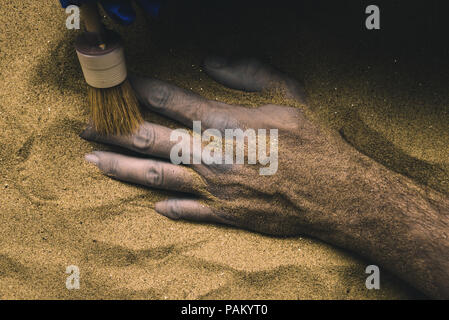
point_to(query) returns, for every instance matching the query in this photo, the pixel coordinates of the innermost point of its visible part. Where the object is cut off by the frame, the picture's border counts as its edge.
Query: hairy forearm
(349, 200)
(392, 221)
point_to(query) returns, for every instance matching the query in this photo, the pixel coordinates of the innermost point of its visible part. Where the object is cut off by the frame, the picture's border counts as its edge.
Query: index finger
(182, 105)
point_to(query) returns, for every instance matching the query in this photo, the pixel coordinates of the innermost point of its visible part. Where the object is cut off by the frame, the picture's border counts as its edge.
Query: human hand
(234, 194)
(322, 187)
(119, 10)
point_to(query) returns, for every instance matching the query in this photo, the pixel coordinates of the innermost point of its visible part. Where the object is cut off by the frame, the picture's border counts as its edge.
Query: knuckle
(219, 118)
(160, 95)
(175, 209)
(154, 174)
(111, 167)
(144, 138)
(194, 107)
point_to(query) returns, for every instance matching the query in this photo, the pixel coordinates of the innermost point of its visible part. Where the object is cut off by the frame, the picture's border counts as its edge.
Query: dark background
(412, 27)
(400, 72)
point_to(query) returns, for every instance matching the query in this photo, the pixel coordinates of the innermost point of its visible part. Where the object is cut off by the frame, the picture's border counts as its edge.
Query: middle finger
(147, 172)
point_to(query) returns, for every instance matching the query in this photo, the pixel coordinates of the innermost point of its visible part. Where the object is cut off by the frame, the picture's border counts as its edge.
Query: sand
(56, 210)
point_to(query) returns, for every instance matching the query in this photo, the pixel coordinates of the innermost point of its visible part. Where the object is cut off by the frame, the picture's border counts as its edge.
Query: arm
(392, 221)
(121, 11)
(322, 187)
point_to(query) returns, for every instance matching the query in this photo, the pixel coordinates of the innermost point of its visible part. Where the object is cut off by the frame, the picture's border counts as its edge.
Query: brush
(112, 101)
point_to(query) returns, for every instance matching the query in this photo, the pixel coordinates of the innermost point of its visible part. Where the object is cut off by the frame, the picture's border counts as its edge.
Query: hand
(236, 195)
(120, 10)
(323, 187)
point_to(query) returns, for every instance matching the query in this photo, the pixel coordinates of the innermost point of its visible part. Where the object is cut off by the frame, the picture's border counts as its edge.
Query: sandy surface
(56, 210)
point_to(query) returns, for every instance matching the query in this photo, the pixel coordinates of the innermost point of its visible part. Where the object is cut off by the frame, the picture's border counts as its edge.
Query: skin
(324, 188)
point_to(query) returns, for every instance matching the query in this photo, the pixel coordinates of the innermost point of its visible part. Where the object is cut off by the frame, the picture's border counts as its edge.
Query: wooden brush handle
(92, 18)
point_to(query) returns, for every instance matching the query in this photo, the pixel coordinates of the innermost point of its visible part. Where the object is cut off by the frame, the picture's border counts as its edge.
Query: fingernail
(92, 158)
(215, 62)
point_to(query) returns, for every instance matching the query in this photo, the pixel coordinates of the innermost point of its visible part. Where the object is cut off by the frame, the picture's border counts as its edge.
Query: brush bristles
(115, 111)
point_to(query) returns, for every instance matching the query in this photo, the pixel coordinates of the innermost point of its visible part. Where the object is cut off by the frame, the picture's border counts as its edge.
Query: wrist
(393, 221)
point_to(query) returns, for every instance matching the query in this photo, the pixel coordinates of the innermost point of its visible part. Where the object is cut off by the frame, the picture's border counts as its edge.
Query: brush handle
(95, 30)
(92, 18)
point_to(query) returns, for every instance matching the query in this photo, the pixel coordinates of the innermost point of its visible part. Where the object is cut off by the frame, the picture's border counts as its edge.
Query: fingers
(191, 210)
(151, 173)
(186, 107)
(182, 105)
(169, 100)
(150, 139)
(245, 74)
(251, 75)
